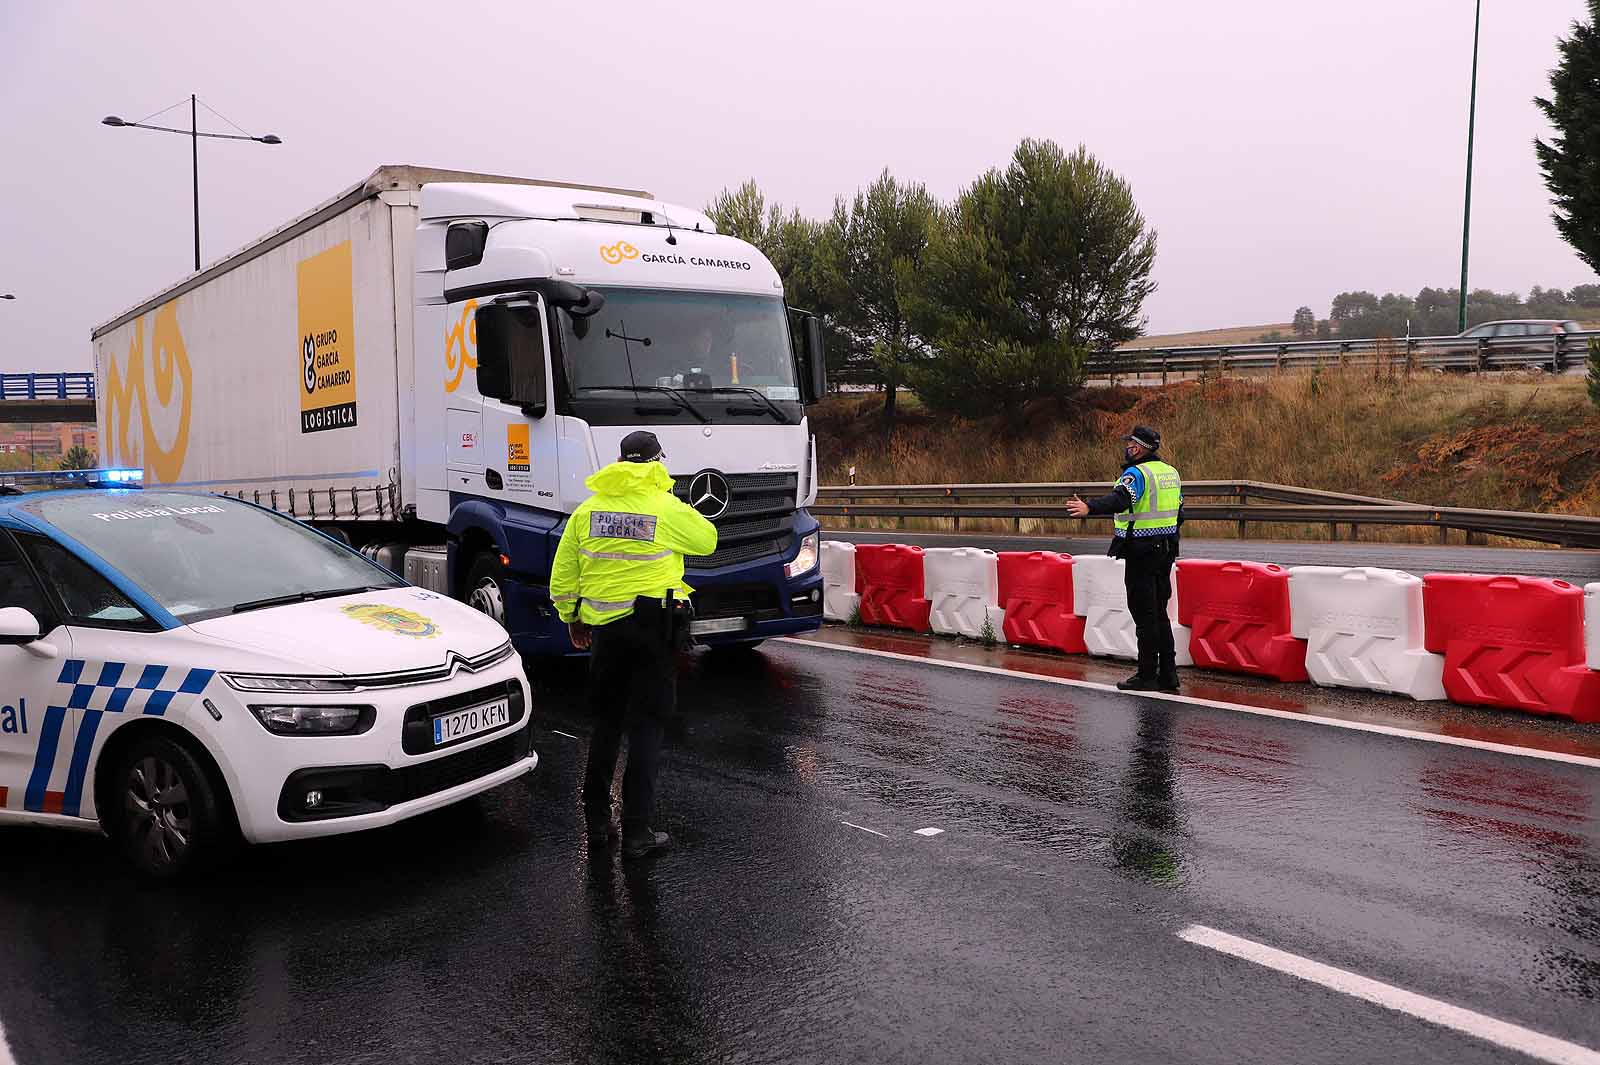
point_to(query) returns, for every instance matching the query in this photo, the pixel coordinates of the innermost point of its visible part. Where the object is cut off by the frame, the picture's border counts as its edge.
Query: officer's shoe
(644, 841)
(1167, 682)
(1139, 682)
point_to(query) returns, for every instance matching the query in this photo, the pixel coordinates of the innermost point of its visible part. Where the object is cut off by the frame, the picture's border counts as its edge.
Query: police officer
(617, 582)
(1147, 502)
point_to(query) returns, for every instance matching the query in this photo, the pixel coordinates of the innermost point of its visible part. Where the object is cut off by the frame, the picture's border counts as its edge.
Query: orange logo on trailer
(169, 364)
(461, 347)
(616, 253)
(393, 619)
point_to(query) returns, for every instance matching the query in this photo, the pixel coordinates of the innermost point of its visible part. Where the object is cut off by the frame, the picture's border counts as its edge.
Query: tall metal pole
(1472, 119)
(194, 154)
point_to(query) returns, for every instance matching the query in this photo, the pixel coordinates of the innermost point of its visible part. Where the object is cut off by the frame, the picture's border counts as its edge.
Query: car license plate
(469, 722)
(713, 625)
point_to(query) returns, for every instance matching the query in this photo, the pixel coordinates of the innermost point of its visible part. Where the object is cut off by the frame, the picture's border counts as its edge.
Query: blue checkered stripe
(116, 688)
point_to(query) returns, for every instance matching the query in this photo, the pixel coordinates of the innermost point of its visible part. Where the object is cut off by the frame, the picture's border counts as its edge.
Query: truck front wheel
(486, 579)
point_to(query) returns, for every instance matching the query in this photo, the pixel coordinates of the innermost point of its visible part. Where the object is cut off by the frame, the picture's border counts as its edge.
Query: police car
(182, 670)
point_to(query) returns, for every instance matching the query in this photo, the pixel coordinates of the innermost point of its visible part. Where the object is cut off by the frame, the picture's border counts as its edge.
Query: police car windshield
(690, 341)
(202, 556)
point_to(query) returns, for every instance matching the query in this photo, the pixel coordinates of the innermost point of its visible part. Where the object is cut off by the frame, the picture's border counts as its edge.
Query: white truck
(430, 364)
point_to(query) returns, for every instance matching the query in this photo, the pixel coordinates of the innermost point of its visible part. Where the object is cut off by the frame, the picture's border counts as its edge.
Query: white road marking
(1217, 704)
(1478, 1025)
(864, 828)
(568, 735)
(5, 1049)
(929, 831)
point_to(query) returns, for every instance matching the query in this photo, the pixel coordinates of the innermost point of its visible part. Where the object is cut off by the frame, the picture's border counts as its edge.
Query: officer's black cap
(640, 446)
(1144, 436)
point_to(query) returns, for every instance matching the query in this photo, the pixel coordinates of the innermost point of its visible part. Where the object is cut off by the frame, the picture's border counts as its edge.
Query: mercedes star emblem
(709, 493)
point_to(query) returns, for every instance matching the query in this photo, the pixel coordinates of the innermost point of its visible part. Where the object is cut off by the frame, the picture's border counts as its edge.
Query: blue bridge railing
(46, 386)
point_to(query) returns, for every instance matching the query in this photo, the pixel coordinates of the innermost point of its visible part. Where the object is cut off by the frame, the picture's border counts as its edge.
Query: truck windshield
(728, 356)
(203, 556)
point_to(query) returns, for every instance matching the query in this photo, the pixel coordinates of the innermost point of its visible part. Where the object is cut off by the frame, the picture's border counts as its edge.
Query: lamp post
(1472, 118)
(194, 135)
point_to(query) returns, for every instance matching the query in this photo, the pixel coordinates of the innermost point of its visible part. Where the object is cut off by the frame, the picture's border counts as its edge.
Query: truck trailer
(430, 364)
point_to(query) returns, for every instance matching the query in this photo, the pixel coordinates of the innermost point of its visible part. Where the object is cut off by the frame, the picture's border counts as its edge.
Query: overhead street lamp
(7, 296)
(194, 136)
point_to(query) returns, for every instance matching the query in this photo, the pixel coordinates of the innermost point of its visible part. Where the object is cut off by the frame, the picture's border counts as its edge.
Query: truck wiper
(677, 397)
(300, 597)
(772, 408)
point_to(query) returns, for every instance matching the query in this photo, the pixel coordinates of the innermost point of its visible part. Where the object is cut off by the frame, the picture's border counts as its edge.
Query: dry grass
(1511, 442)
(1234, 334)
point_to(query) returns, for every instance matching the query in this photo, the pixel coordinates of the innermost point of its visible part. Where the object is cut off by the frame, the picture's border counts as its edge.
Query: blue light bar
(44, 480)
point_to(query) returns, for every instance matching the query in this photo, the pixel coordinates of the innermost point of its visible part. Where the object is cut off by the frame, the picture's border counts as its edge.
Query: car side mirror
(19, 628)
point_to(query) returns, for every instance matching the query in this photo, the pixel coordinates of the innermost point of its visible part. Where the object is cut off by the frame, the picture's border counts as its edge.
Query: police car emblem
(393, 619)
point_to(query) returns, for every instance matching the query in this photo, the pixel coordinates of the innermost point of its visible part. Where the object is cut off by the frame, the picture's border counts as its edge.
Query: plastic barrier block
(839, 598)
(1515, 642)
(1363, 629)
(1036, 594)
(1100, 597)
(1239, 616)
(963, 586)
(889, 581)
(1591, 624)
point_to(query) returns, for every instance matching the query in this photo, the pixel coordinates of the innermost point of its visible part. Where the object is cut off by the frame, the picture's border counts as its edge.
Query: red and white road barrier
(1511, 642)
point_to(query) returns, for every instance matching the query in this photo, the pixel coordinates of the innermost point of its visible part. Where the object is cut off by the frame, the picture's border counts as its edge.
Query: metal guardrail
(1283, 504)
(46, 386)
(1556, 353)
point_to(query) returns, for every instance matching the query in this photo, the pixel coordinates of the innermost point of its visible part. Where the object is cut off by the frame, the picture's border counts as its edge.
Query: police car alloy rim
(158, 810)
(486, 597)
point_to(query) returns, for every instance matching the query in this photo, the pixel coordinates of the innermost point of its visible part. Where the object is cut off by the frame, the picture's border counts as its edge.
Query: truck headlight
(314, 720)
(806, 560)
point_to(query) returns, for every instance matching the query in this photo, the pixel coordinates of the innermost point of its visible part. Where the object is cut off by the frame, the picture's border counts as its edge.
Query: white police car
(181, 670)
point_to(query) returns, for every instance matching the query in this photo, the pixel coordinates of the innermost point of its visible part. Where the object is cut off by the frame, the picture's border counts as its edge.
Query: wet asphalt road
(1081, 831)
(1569, 564)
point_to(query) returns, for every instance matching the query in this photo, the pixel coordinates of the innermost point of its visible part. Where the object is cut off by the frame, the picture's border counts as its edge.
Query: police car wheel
(169, 819)
(485, 586)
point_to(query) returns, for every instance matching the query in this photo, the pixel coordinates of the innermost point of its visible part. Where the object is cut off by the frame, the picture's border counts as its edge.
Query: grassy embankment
(1512, 442)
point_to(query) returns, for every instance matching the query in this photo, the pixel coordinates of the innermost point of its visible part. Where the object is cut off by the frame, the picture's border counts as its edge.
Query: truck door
(500, 422)
(35, 742)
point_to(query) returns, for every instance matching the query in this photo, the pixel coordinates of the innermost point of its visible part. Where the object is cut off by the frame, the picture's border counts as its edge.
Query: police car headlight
(315, 720)
(806, 560)
(253, 682)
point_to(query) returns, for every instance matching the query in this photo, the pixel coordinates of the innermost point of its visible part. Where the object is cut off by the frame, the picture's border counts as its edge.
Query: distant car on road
(1538, 337)
(182, 670)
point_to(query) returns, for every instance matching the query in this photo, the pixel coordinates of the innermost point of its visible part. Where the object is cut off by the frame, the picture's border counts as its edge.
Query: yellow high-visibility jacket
(626, 540)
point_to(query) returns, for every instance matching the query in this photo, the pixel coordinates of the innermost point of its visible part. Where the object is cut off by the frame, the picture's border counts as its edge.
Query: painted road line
(5, 1049)
(1478, 1025)
(930, 831)
(864, 828)
(568, 735)
(1215, 704)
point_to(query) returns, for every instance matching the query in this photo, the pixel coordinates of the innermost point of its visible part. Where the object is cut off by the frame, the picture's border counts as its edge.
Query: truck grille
(758, 523)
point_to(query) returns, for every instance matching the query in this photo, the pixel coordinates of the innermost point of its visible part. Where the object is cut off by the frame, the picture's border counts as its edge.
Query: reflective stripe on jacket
(626, 540)
(1155, 512)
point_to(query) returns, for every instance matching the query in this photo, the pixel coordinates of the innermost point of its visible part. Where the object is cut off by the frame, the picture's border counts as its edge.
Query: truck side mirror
(511, 356)
(816, 362)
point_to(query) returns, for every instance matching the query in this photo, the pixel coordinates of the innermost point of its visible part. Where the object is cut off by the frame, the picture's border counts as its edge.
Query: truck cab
(550, 322)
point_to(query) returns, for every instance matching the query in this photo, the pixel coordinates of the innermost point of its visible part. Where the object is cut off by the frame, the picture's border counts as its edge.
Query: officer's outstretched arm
(685, 530)
(564, 572)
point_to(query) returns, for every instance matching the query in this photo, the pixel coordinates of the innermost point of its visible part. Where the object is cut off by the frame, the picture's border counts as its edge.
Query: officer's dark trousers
(1148, 577)
(633, 684)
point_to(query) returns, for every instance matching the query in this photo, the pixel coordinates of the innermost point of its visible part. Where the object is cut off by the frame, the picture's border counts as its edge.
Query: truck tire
(485, 589)
(168, 819)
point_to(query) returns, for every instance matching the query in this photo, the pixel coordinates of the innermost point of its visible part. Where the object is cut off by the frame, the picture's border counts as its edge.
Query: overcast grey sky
(1284, 150)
